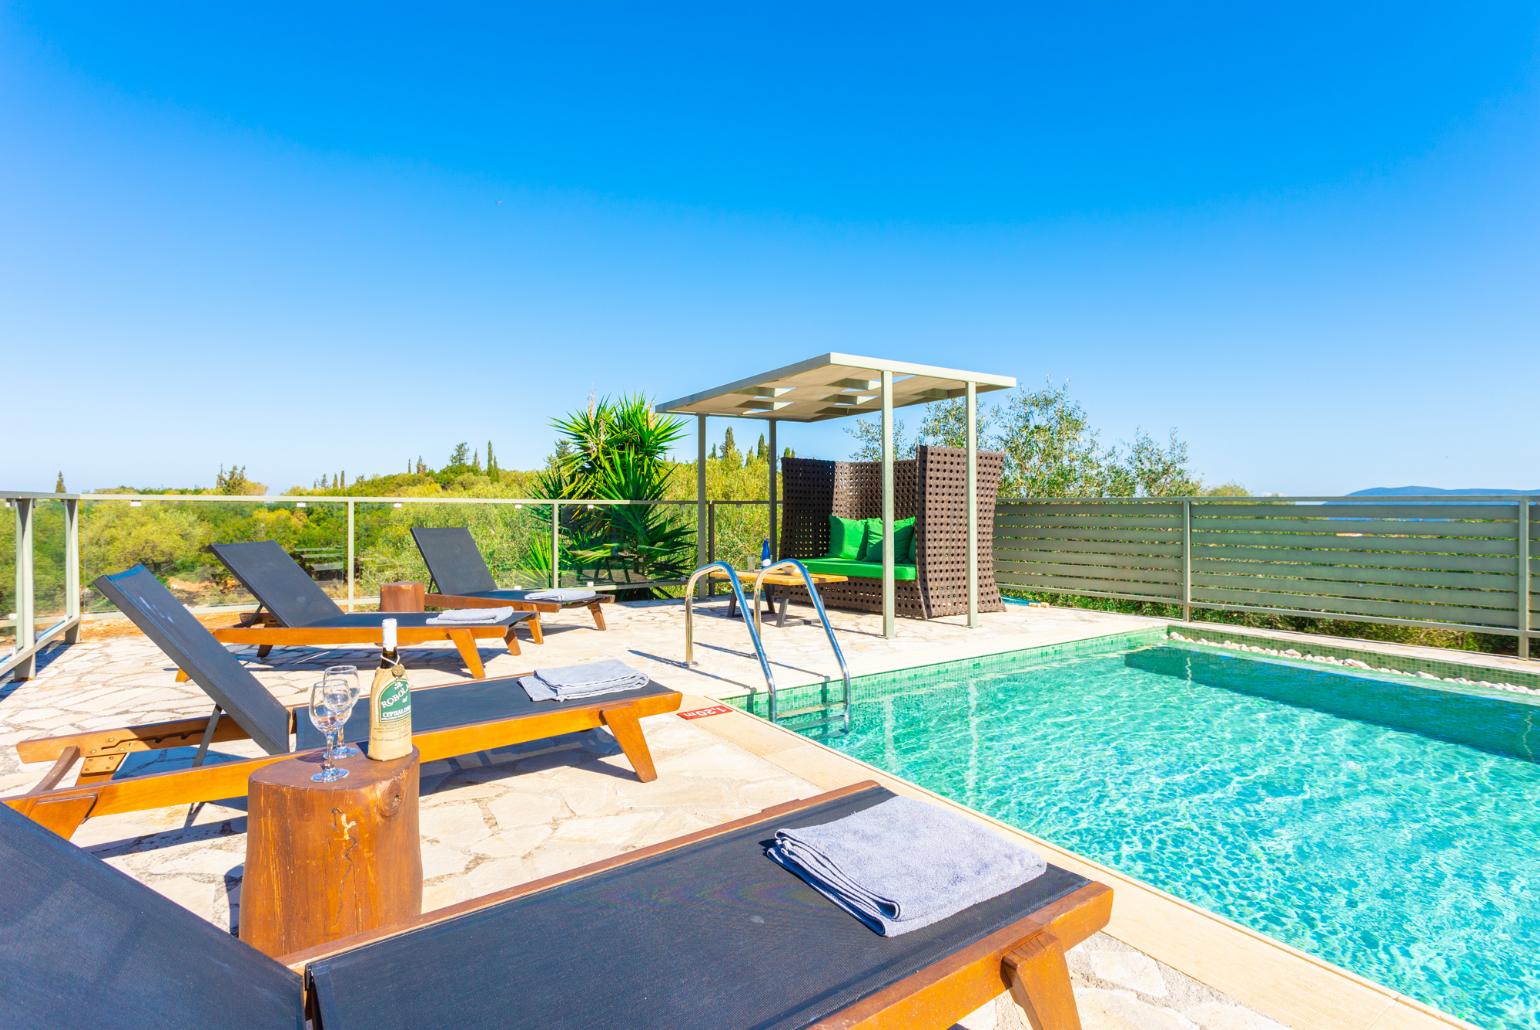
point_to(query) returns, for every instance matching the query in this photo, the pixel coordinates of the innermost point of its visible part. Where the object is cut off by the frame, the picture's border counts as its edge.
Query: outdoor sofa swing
(930, 522)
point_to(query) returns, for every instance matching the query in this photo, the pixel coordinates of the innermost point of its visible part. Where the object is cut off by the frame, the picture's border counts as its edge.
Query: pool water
(1386, 827)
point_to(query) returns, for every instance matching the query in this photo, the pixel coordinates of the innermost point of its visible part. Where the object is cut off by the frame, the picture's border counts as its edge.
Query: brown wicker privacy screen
(933, 488)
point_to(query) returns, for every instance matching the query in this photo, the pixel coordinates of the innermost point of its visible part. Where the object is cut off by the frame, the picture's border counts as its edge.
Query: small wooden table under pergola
(833, 386)
(746, 578)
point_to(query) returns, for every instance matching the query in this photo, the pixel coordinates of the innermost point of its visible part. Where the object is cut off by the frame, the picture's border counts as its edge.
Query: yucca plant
(618, 450)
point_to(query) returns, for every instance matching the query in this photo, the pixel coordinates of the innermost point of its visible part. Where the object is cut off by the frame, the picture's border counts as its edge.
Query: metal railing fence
(347, 543)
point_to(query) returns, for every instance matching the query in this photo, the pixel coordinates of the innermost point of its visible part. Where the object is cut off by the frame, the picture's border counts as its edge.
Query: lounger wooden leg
(466, 645)
(263, 650)
(181, 675)
(598, 612)
(628, 734)
(1039, 982)
(511, 640)
(536, 631)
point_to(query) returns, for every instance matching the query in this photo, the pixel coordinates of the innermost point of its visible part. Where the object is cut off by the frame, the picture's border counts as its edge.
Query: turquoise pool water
(1388, 828)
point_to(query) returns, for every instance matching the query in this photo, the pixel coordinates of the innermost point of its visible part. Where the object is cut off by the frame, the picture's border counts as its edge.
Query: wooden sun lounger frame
(266, 632)
(1025, 958)
(595, 607)
(96, 793)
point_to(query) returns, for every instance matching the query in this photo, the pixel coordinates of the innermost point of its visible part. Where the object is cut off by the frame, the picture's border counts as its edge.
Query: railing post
(1187, 561)
(26, 618)
(1524, 578)
(555, 545)
(72, 569)
(351, 552)
(711, 544)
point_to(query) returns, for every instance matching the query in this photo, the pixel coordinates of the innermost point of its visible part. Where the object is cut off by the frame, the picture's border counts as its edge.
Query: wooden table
(328, 860)
(773, 580)
(403, 597)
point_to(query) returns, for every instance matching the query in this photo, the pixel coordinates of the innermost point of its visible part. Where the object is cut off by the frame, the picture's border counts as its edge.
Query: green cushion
(846, 537)
(858, 569)
(903, 540)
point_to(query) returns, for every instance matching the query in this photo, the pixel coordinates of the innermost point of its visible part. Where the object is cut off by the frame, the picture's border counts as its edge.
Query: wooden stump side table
(403, 597)
(328, 860)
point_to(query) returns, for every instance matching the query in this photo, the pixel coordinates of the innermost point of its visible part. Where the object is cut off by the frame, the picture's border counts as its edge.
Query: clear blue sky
(1307, 236)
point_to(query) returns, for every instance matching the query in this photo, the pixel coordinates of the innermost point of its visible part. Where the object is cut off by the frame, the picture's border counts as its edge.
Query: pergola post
(700, 497)
(972, 415)
(889, 592)
(775, 551)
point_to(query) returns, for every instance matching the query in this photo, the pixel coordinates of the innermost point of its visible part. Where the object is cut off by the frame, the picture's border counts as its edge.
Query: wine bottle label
(390, 714)
(395, 701)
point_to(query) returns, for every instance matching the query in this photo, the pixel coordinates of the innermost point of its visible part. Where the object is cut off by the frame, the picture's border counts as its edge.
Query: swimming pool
(1388, 827)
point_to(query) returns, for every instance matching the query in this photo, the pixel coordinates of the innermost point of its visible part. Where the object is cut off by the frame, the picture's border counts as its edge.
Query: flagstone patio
(497, 819)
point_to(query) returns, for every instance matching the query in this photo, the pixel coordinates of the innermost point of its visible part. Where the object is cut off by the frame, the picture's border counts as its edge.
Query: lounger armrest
(56, 772)
(148, 737)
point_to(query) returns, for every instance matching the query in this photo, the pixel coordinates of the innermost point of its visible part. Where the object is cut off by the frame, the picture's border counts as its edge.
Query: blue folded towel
(902, 864)
(587, 680)
(563, 595)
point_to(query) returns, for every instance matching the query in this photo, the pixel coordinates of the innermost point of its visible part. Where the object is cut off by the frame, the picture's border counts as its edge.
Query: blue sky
(1303, 235)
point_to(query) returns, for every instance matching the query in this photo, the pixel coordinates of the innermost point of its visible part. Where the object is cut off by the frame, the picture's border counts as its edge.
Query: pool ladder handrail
(755, 626)
(823, 617)
(689, 623)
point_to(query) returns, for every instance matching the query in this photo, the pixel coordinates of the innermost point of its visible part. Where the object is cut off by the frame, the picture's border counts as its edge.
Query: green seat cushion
(903, 540)
(858, 569)
(846, 537)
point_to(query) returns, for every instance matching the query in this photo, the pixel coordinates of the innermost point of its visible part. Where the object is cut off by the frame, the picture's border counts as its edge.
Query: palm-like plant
(618, 450)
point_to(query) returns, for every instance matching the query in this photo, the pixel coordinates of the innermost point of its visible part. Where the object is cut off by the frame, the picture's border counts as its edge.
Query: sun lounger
(461, 578)
(297, 613)
(456, 719)
(698, 932)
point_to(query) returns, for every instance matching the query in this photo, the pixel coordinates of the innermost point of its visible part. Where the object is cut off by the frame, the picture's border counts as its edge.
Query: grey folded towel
(563, 595)
(902, 864)
(587, 680)
(470, 616)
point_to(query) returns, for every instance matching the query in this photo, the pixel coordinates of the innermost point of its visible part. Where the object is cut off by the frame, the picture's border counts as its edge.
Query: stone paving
(498, 819)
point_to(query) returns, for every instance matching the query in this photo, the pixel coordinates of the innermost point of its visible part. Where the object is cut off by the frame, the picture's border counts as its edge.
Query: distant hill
(1430, 491)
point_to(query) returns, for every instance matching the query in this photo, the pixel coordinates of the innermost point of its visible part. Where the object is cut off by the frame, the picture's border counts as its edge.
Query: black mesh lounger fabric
(372, 620)
(465, 704)
(162, 618)
(82, 944)
(278, 582)
(712, 935)
(453, 559)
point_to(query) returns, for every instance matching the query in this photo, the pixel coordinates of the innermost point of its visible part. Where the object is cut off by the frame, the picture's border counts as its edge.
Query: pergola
(833, 386)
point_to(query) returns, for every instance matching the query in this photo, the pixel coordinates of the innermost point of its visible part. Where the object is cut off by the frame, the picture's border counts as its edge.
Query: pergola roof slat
(832, 386)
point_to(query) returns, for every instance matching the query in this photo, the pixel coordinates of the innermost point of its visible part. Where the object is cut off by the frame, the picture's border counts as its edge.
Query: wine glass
(343, 678)
(326, 714)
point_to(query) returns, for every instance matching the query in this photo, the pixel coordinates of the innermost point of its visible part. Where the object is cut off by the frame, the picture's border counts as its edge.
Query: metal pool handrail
(823, 617)
(752, 624)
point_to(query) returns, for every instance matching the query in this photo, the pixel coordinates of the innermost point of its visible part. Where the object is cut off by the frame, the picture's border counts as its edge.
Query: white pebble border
(1354, 663)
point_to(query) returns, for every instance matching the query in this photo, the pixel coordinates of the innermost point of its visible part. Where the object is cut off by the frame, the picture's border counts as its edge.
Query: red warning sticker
(701, 713)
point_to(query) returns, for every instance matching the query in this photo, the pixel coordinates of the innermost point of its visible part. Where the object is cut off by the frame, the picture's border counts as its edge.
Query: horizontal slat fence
(1466, 562)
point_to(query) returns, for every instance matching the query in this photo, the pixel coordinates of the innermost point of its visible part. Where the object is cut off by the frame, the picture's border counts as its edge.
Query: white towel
(470, 616)
(570, 682)
(563, 595)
